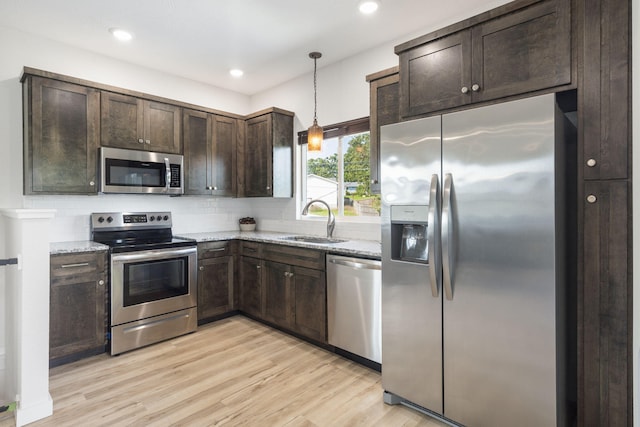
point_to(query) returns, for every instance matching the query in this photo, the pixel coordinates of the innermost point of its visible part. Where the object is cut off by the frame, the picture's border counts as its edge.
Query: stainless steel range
(152, 275)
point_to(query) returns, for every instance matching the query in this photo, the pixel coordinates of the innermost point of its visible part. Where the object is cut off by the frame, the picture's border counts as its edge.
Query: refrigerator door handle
(447, 237)
(433, 235)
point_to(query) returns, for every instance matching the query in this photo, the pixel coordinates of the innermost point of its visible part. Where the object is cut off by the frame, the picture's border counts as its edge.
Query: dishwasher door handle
(356, 265)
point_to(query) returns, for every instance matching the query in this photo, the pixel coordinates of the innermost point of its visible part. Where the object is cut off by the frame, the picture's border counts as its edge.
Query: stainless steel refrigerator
(473, 264)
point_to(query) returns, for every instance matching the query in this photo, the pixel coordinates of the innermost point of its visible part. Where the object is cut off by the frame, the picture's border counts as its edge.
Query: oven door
(150, 283)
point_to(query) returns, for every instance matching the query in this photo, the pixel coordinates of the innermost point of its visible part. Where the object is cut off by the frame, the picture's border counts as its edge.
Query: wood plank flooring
(232, 372)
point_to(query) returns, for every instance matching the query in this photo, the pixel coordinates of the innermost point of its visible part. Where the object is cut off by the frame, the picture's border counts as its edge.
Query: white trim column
(27, 311)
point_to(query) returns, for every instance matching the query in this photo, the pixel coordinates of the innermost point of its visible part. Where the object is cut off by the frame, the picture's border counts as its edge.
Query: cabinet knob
(201, 268)
(101, 282)
(140, 141)
(268, 187)
(258, 267)
(208, 187)
(215, 188)
(147, 141)
(591, 162)
(464, 89)
(591, 198)
(374, 181)
(92, 183)
(475, 87)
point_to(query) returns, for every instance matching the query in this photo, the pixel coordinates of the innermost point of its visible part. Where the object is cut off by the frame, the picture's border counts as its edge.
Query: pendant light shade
(314, 134)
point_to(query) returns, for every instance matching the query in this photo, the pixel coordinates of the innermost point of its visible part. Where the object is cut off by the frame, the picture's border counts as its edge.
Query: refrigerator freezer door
(411, 315)
(499, 326)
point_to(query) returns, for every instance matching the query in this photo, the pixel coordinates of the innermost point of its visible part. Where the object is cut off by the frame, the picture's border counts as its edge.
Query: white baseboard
(34, 412)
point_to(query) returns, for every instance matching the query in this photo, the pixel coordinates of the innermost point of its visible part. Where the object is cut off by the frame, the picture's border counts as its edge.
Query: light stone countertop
(77, 246)
(351, 247)
(356, 248)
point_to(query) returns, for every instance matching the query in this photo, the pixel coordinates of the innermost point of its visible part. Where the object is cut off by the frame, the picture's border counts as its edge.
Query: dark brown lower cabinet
(78, 298)
(251, 286)
(285, 286)
(215, 280)
(605, 314)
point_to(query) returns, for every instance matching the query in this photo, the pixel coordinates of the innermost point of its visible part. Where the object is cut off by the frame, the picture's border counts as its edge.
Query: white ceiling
(202, 39)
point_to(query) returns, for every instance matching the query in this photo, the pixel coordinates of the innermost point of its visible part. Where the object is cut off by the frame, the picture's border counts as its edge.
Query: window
(339, 174)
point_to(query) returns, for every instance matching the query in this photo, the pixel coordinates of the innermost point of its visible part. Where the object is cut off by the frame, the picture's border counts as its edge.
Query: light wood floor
(231, 372)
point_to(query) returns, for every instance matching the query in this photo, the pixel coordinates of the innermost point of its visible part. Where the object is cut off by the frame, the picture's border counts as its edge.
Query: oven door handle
(153, 254)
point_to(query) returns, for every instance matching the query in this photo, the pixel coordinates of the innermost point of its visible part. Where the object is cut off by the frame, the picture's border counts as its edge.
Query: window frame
(336, 130)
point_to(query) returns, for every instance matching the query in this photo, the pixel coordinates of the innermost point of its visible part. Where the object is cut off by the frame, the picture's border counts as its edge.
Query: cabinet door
(310, 303)
(251, 289)
(522, 52)
(223, 156)
(122, 124)
(604, 305)
(62, 130)
(277, 294)
(384, 110)
(432, 76)
(162, 127)
(197, 152)
(257, 158)
(77, 305)
(215, 286)
(605, 89)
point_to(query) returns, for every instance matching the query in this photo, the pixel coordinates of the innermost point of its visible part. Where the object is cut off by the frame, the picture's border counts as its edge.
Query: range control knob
(100, 219)
(152, 218)
(166, 218)
(109, 219)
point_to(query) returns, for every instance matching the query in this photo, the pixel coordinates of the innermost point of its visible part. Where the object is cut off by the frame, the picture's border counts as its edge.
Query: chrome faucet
(331, 222)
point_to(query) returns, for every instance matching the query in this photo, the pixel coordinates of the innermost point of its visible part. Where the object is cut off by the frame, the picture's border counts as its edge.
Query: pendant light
(314, 134)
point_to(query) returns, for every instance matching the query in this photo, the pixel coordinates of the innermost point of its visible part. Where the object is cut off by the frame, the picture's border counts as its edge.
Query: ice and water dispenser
(409, 233)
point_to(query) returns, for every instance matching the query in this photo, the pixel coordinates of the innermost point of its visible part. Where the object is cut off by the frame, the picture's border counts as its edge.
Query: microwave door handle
(167, 174)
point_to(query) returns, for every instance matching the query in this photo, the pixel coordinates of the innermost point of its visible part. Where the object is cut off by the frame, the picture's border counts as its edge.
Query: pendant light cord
(315, 90)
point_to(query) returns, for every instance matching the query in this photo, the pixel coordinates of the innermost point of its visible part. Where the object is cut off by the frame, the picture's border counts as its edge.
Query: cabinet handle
(475, 87)
(80, 264)
(147, 141)
(201, 268)
(100, 282)
(141, 141)
(215, 250)
(464, 89)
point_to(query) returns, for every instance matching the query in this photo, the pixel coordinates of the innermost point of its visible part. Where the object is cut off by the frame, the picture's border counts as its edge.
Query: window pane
(339, 175)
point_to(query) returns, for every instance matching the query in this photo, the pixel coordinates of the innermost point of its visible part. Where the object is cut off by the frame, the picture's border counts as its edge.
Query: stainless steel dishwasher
(353, 305)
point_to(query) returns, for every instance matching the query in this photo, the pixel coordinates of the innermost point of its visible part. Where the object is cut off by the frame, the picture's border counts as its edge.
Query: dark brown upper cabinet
(61, 137)
(265, 156)
(384, 109)
(210, 147)
(486, 58)
(140, 124)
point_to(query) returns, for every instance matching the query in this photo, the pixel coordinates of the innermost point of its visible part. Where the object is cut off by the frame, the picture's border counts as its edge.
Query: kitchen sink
(314, 239)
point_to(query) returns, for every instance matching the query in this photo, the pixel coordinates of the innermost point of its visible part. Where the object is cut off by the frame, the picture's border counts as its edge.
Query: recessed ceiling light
(121, 34)
(368, 6)
(236, 72)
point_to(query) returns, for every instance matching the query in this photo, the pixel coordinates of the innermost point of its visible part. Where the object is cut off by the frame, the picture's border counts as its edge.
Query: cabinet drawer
(252, 249)
(214, 249)
(301, 257)
(89, 264)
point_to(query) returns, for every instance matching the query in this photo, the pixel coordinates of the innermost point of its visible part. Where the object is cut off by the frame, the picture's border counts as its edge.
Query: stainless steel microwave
(140, 172)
